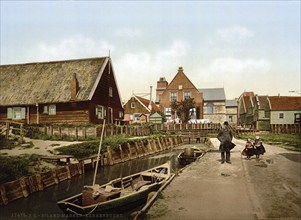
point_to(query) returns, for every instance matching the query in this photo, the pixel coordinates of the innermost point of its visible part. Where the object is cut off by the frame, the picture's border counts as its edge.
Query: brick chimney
(161, 86)
(180, 70)
(74, 87)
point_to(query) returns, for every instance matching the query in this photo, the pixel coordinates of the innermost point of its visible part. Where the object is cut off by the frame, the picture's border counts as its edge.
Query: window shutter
(96, 111)
(9, 113)
(23, 112)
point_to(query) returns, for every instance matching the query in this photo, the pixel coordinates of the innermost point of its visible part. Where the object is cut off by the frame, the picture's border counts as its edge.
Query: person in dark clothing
(249, 150)
(225, 137)
(259, 148)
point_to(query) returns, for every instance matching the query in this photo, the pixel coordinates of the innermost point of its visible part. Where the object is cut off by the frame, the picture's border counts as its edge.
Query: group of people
(252, 148)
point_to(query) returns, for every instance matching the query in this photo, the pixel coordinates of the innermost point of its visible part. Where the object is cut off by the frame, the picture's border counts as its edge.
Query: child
(249, 149)
(259, 148)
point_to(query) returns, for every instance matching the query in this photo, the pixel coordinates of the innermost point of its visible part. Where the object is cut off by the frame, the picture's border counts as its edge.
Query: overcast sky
(238, 45)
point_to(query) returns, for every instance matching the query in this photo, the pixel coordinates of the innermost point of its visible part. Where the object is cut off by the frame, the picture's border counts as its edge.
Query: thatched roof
(49, 82)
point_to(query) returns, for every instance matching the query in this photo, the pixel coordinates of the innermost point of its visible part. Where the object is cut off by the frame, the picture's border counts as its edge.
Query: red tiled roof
(146, 103)
(261, 100)
(285, 102)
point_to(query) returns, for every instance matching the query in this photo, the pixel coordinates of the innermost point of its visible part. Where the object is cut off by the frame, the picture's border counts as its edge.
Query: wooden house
(284, 110)
(179, 89)
(138, 110)
(68, 91)
(244, 112)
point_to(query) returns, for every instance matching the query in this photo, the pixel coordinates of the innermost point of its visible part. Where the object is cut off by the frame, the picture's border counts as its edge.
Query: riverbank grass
(287, 141)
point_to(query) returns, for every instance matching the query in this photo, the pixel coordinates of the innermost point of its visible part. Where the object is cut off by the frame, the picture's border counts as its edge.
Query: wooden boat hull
(185, 159)
(75, 205)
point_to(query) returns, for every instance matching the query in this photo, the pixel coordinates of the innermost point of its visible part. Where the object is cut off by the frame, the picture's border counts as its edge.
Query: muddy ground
(268, 188)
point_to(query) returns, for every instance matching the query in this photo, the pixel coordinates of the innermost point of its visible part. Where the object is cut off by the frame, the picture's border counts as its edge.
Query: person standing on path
(225, 137)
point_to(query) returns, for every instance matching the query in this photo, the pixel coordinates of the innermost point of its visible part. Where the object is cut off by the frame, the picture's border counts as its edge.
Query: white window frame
(187, 95)
(110, 91)
(16, 113)
(281, 115)
(100, 112)
(52, 110)
(133, 105)
(173, 96)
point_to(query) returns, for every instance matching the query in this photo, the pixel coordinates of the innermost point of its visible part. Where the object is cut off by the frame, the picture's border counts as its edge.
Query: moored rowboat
(118, 195)
(189, 155)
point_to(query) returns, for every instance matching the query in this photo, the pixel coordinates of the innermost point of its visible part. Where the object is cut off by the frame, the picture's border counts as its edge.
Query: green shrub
(13, 168)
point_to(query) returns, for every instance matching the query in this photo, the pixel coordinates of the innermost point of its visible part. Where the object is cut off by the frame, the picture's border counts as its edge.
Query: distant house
(214, 107)
(138, 110)
(283, 109)
(68, 91)
(244, 111)
(179, 89)
(231, 111)
(156, 118)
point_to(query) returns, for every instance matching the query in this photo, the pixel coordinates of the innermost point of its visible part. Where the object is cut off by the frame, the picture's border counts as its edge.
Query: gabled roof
(213, 94)
(285, 103)
(260, 100)
(49, 82)
(243, 100)
(145, 103)
(180, 77)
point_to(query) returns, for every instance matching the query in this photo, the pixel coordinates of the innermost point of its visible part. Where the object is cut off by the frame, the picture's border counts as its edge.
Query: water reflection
(42, 205)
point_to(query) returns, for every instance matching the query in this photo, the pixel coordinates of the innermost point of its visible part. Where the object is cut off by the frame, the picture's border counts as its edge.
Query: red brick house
(67, 91)
(138, 110)
(178, 89)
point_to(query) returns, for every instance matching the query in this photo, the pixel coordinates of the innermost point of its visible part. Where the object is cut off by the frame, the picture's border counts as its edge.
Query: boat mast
(98, 154)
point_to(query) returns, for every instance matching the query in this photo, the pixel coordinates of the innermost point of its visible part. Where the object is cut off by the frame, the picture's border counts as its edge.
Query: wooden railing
(7, 127)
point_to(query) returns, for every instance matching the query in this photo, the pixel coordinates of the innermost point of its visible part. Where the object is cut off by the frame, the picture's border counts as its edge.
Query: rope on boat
(81, 215)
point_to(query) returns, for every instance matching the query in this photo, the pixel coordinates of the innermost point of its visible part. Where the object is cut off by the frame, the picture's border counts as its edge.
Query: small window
(16, 113)
(120, 114)
(45, 109)
(110, 91)
(100, 112)
(173, 96)
(52, 110)
(136, 116)
(180, 87)
(230, 118)
(298, 118)
(210, 108)
(133, 105)
(187, 95)
(281, 115)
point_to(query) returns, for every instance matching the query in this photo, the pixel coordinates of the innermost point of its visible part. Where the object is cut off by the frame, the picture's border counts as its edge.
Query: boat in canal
(189, 155)
(118, 195)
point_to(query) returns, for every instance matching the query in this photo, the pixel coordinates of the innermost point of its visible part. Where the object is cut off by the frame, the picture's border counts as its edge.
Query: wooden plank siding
(95, 80)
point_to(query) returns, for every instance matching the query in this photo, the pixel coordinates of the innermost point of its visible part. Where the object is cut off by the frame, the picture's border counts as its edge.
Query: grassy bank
(287, 141)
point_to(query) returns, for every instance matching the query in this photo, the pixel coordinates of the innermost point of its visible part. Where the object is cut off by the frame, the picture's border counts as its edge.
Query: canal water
(42, 205)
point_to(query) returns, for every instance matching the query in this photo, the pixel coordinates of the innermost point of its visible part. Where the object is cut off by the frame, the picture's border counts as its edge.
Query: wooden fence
(286, 128)
(82, 133)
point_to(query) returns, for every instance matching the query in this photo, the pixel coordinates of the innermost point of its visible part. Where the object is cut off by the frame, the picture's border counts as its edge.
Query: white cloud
(138, 71)
(238, 66)
(128, 32)
(234, 34)
(70, 48)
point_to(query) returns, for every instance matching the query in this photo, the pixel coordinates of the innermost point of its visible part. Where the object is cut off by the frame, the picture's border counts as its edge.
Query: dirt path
(246, 189)
(40, 147)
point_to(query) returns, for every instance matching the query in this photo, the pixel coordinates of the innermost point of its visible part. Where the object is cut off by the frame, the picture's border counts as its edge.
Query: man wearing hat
(225, 137)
